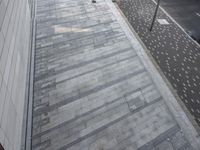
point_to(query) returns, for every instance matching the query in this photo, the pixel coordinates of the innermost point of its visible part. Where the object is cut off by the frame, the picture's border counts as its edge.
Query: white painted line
(163, 21)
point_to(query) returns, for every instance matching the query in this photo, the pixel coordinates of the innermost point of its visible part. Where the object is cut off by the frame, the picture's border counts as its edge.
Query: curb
(160, 81)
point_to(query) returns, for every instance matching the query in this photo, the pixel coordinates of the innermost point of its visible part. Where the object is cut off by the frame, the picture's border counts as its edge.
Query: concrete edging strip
(29, 118)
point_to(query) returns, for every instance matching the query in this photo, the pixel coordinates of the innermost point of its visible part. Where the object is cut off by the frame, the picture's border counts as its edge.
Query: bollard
(154, 17)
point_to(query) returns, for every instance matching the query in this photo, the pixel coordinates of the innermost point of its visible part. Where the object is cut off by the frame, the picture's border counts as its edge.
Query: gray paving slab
(91, 89)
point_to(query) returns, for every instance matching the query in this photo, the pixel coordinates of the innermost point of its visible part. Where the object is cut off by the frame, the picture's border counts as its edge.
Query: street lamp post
(155, 14)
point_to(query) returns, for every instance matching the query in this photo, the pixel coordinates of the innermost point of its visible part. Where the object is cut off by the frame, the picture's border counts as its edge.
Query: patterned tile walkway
(91, 91)
(176, 54)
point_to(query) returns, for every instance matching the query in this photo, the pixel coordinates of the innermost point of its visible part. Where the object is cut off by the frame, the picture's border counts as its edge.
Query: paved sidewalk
(92, 90)
(175, 53)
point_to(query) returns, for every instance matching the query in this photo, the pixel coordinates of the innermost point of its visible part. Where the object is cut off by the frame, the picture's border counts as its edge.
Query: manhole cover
(135, 100)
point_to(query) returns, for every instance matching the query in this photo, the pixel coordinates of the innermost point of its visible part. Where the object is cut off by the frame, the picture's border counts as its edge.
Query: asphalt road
(186, 13)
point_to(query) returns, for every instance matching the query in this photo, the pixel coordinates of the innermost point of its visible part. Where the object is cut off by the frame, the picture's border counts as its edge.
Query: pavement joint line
(84, 73)
(89, 112)
(75, 66)
(109, 124)
(89, 92)
(52, 35)
(57, 10)
(42, 20)
(90, 71)
(42, 143)
(61, 23)
(81, 46)
(165, 90)
(163, 136)
(44, 4)
(65, 56)
(66, 7)
(63, 52)
(67, 41)
(90, 26)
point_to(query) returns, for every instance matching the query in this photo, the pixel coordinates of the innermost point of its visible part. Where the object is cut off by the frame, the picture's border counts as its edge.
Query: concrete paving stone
(69, 33)
(87, 49)
(87, 75)
(85, 84)
(66, 26)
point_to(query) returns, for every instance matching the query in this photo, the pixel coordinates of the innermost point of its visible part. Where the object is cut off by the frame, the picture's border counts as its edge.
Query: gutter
(26, 143)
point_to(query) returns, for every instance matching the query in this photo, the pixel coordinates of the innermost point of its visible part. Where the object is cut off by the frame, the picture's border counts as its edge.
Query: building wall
(14, 51)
